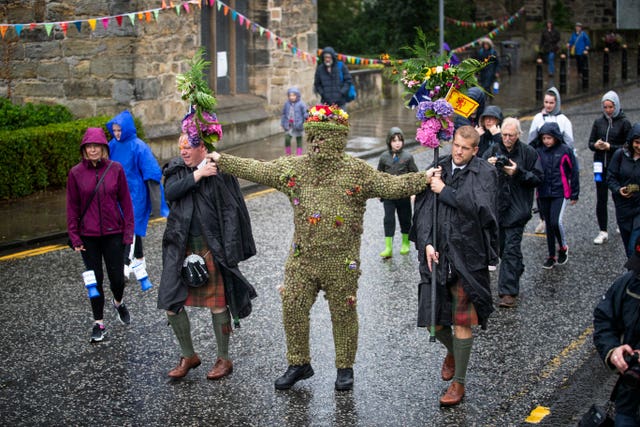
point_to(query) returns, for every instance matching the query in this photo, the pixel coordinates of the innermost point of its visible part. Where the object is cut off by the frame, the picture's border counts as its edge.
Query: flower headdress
(201, 123)
(328, 114)
(429, 79)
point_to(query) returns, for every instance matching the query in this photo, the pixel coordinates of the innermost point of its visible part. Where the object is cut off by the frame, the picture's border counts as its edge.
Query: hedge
(38, 158)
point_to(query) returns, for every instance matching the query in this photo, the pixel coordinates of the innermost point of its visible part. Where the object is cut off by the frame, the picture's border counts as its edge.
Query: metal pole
(625, 62)
(563, 73)
(434, 274)
(441, 24)
(585, 71)
(605, 67)
(539, 79)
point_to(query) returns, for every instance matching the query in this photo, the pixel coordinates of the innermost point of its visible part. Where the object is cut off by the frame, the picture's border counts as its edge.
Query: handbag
(84, 211)
(194, 271)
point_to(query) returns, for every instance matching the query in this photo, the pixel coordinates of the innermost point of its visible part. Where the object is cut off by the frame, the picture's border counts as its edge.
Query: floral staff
(431, 80)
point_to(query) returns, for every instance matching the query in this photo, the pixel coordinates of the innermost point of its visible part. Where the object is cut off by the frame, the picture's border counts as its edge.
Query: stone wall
(105, 71)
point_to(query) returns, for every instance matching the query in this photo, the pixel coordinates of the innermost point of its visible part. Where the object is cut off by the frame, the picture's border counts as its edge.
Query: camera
(631, 377)
(501, 160)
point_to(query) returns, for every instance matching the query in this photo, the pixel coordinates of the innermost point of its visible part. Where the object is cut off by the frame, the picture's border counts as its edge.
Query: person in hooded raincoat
(332, 79)
(143, 177)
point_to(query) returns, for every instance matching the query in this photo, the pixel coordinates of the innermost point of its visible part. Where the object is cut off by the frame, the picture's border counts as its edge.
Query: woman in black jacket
(623, 178)
(608, 134)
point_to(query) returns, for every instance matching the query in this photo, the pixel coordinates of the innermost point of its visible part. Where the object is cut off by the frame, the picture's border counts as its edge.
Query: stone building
(130, 58)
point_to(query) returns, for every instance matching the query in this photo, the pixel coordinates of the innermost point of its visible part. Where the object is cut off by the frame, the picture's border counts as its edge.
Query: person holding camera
(623, 177)
(616, 321)
(208, 222)
(519, 173)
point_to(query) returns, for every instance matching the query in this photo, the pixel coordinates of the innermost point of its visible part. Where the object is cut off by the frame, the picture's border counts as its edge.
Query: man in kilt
(467, 243)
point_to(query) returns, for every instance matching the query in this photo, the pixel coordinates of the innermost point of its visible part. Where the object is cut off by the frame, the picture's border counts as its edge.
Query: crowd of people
(485, 191)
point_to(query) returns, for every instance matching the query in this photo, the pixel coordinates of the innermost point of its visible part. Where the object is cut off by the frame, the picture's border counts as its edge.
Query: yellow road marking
(33, 252)
(537, 415)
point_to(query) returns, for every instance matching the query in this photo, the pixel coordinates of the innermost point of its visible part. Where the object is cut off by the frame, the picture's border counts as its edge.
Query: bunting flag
(482, 24)
(241, 20)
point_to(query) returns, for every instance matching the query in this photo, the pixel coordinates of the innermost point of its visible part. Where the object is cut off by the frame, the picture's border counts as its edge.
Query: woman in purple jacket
(100, 221)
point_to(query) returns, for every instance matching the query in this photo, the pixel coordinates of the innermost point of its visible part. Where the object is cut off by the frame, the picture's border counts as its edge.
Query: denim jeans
(551, 57)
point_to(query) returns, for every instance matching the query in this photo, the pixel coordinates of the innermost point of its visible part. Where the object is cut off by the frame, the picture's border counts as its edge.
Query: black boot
(294, 374)
(344, 379)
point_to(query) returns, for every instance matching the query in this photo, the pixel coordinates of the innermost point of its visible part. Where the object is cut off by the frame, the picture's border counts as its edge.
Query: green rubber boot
(406, 245)
(388, 250)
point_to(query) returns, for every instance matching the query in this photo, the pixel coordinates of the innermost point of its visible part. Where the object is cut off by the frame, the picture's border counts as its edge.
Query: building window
(226, 44)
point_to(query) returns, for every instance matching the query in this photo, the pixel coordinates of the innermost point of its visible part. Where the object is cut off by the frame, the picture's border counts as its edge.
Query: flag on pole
(461, 103)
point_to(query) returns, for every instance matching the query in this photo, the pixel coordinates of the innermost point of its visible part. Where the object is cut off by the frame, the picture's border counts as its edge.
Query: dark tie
(454, 172)
(395, 158)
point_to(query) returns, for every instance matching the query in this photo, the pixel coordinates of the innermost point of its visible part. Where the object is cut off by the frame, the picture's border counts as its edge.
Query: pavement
(537, 354)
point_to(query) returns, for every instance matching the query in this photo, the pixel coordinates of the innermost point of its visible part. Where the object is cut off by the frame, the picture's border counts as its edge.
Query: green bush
(38, 158)
(22, 116)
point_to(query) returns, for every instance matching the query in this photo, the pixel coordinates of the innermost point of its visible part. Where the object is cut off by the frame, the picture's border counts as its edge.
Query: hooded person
(551, 112)
(489, 129)
(560, 183)
(489, 73)
(328, 191)
(100, 223)
(396, 161)
(608, 134)
(294, 113)
(143, 177)
(332, 79)
(623, 179)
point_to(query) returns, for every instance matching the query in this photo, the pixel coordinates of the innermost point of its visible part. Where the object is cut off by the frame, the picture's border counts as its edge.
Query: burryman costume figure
(328, 191)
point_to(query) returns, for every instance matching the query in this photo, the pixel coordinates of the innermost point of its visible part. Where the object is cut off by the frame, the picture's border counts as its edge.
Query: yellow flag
(461, 103)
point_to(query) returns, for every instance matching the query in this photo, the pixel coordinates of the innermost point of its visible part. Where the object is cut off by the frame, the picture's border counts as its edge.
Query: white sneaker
(601, 238)
(540, 228)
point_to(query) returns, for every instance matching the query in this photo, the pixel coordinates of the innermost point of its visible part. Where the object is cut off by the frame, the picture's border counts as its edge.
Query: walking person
(143, 177)
(332, 79)
(578, 46)
(467, 236)
(396, 161)
(519, 173)
(616, 335)
(294, 113)
(551, 112)
(608, 134)
(489, 74)
(561, 182)
(623, 178)
(208, 224)
(328, 191)
(100, 222)
(549, 40)
(489, 129)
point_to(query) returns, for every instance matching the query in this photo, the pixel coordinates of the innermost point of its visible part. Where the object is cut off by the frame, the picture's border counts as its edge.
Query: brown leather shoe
(221, 369)
(507, 301)
(186, 363)
(448, 367)
(453, 395)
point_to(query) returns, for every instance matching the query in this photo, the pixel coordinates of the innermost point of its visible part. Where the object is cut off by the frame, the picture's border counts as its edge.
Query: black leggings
(110, 248)
(403, 206)
(602, 196)
(552, 209)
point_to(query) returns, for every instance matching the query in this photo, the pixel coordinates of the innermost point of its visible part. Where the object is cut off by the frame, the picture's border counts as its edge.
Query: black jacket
(624, 170)
(226, 229)
(617, 317)
(467, 236)
(515, 193)
(332, 87)
(614, 132)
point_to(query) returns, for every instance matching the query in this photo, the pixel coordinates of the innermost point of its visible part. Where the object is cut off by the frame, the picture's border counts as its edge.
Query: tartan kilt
(211, 294)
(463, 311)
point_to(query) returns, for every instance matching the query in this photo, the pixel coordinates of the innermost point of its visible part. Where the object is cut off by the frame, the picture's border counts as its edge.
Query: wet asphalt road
(539, 353)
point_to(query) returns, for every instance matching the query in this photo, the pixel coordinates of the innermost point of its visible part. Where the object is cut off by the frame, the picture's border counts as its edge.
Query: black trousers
(110, 249)
(602, 197)
(137, 250)
(511, 264)
(403, 207)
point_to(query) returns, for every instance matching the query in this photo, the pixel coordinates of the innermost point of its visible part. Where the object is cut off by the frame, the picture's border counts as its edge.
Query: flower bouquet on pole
(436, 89)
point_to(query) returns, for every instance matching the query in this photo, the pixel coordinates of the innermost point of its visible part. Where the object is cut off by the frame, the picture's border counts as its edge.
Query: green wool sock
(461, 354)
(182, 328)
(222, 329)
(445, 336)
